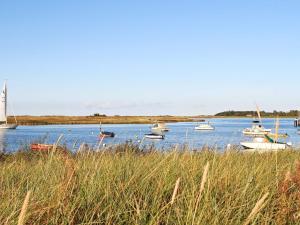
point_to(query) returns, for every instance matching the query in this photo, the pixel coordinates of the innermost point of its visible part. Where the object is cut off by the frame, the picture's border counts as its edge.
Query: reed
(124, 185)
(22, 215)
(258, 206)
(203, 181)
(175, 191)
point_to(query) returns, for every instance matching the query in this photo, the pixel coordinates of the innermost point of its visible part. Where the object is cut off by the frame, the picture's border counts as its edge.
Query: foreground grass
(130, 187)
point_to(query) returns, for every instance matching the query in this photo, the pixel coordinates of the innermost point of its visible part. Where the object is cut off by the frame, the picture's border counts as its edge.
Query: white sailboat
(3, 110)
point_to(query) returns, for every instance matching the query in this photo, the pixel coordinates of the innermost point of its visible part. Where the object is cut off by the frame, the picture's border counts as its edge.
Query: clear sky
(150, 57)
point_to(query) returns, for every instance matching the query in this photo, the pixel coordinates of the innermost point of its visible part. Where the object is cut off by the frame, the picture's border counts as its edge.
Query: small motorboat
(106, 134)
(205, 126)
(265, 143)
(257, 129)
(41, 147)
(155, 136)
(160, 127)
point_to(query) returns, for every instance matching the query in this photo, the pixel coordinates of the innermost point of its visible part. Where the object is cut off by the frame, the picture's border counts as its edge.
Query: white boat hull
(8, 126)
(204, 128)
(264, 146)
(154, 136)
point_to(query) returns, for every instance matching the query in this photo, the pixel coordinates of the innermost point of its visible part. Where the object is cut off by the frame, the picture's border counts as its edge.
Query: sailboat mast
(5, 108)
(258, 114)
(276, 129)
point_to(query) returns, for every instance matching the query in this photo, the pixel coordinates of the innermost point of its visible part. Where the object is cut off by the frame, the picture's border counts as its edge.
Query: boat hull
(105, 134)
(154, 136)
(264, 146)
(41, 147)
(8, 126)
(204, 128)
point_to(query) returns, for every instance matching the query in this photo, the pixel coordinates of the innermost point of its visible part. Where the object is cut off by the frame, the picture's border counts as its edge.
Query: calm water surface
(228, 131)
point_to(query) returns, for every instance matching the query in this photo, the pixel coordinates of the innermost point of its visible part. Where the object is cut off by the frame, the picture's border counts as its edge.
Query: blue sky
(149, 57)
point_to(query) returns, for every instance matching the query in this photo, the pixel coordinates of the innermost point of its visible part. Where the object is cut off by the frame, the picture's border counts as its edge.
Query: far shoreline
(81, 120)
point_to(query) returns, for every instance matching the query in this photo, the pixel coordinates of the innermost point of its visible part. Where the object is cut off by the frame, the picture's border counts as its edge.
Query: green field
(125, 185)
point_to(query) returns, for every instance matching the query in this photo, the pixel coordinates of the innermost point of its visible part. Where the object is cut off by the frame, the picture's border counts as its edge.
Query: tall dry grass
(125, 186)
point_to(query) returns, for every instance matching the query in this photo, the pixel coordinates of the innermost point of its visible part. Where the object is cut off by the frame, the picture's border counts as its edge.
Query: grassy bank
(125, 186)
(47, 120)
(52, 120)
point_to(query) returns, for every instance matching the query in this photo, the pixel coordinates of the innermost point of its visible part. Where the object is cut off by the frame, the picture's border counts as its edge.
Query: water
(228, 131)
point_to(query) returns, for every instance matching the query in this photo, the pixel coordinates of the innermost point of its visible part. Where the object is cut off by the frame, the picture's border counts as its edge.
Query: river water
(228, 131)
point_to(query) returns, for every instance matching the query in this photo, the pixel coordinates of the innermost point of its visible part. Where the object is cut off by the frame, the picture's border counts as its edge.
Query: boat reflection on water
(2, 141)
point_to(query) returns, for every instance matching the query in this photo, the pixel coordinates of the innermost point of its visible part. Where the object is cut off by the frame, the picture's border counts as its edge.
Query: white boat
(155, 136)
(205, 126)
(159, 127)
(8, 126)
(257, 129)
(260, 143)
(3, 110)
(266, 143)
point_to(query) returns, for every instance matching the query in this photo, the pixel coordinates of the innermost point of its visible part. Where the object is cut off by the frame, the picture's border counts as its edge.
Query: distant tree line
(291, 113)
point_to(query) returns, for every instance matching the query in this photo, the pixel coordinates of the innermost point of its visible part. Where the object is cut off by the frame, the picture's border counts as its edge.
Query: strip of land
(52, 120)
(56, 120)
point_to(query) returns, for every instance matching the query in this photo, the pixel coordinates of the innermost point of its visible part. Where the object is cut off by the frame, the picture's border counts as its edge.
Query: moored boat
(8, 126)
(155, 136)
(266, 142)
(3, 111)
(205, 126)
(261, 143)
(257, 129)
(105, 134)
(159, 127)
(41, 147)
